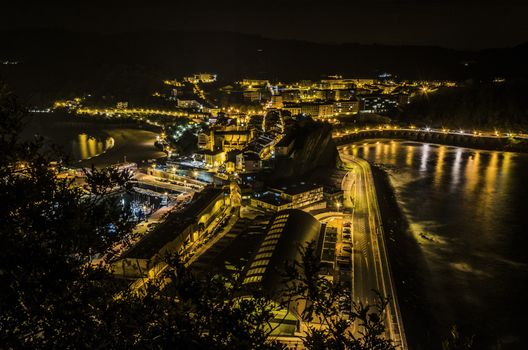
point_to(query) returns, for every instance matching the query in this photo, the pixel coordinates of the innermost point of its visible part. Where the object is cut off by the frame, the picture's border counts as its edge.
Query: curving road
(370, 265)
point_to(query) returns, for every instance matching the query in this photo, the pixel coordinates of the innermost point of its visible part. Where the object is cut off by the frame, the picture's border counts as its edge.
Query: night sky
(450, 23)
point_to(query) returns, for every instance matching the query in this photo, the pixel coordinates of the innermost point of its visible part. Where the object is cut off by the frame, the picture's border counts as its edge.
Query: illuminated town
(246, 176)
(276, 201)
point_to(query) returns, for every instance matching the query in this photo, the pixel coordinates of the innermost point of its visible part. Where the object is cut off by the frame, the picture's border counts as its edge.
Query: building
(276, 101)
(254, 82)
(301, 194)
(293, 95)
(270, 201)
(201, 78)
(248, 162)
(378, 103)
(226, 138)
(343, 94)
(213, 159)
(333, 196)
(284, 147)
(287, 230)
(179, 230)
(252, 94)
(189, 103)
(318, 109)
(326, 110)
(346, 106)
(122, 105)
(298, 196)
(311, 109)
(205, 141)
(293, 108)
(232, 137)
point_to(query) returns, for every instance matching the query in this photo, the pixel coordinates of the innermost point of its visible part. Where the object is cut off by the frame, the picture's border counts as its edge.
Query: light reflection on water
(87, 147)
(471, 206)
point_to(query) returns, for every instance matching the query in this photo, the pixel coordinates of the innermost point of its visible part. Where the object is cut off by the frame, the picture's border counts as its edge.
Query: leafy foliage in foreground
(339, 322)
(54, 297)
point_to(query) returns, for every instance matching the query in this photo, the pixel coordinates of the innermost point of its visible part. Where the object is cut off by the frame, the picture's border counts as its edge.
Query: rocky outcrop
(313, 148)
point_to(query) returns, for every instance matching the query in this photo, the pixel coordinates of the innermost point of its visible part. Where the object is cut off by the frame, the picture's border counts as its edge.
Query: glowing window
(257, 271)
(252, 279)
(263, 255)
(266, 249)
(270, 241)
(263, 262)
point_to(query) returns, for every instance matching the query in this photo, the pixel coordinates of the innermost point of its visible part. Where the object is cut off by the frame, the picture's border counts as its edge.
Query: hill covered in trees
(61, 63)
(501, 106)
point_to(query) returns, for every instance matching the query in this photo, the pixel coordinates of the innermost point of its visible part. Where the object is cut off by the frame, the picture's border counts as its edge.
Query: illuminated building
(205, 140)
(346, 107)
(233, 138)
(254, 82)
(189, 103)
(318, 109)
(297, 196)
(311, 109)
(270, 201)
(226, 138)
(284, 147)
(293, 108)
(248, 162)
(176, 232)
(324, 94)
(378, 103)
(201, 78)
(293, 95)
(273, 120)
(276, 101)
(286, 231)
(213, 159)
(343, 94)
(122, 105)
(252, 94)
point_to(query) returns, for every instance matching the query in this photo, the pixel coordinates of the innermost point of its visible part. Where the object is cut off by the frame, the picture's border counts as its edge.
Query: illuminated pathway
(370, 265)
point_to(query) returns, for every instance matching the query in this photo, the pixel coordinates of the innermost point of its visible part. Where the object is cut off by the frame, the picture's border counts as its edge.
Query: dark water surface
(468, 215)
(96, 142)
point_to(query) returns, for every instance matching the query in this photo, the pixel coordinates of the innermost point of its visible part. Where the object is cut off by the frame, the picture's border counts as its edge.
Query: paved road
(370, 265)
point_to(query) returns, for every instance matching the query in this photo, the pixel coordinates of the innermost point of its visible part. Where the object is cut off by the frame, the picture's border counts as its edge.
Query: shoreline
(128, 139)
(407, 263)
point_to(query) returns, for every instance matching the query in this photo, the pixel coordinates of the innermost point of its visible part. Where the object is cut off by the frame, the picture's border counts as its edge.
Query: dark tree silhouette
(361, 327)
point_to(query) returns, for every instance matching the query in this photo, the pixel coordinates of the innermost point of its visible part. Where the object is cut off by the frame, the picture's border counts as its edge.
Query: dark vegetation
(503, 106)
(57, 64)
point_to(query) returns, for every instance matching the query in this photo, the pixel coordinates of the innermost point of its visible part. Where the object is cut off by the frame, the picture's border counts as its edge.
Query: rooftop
(271, 197)
(172, 227)
(296, 188)
(287, 231)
